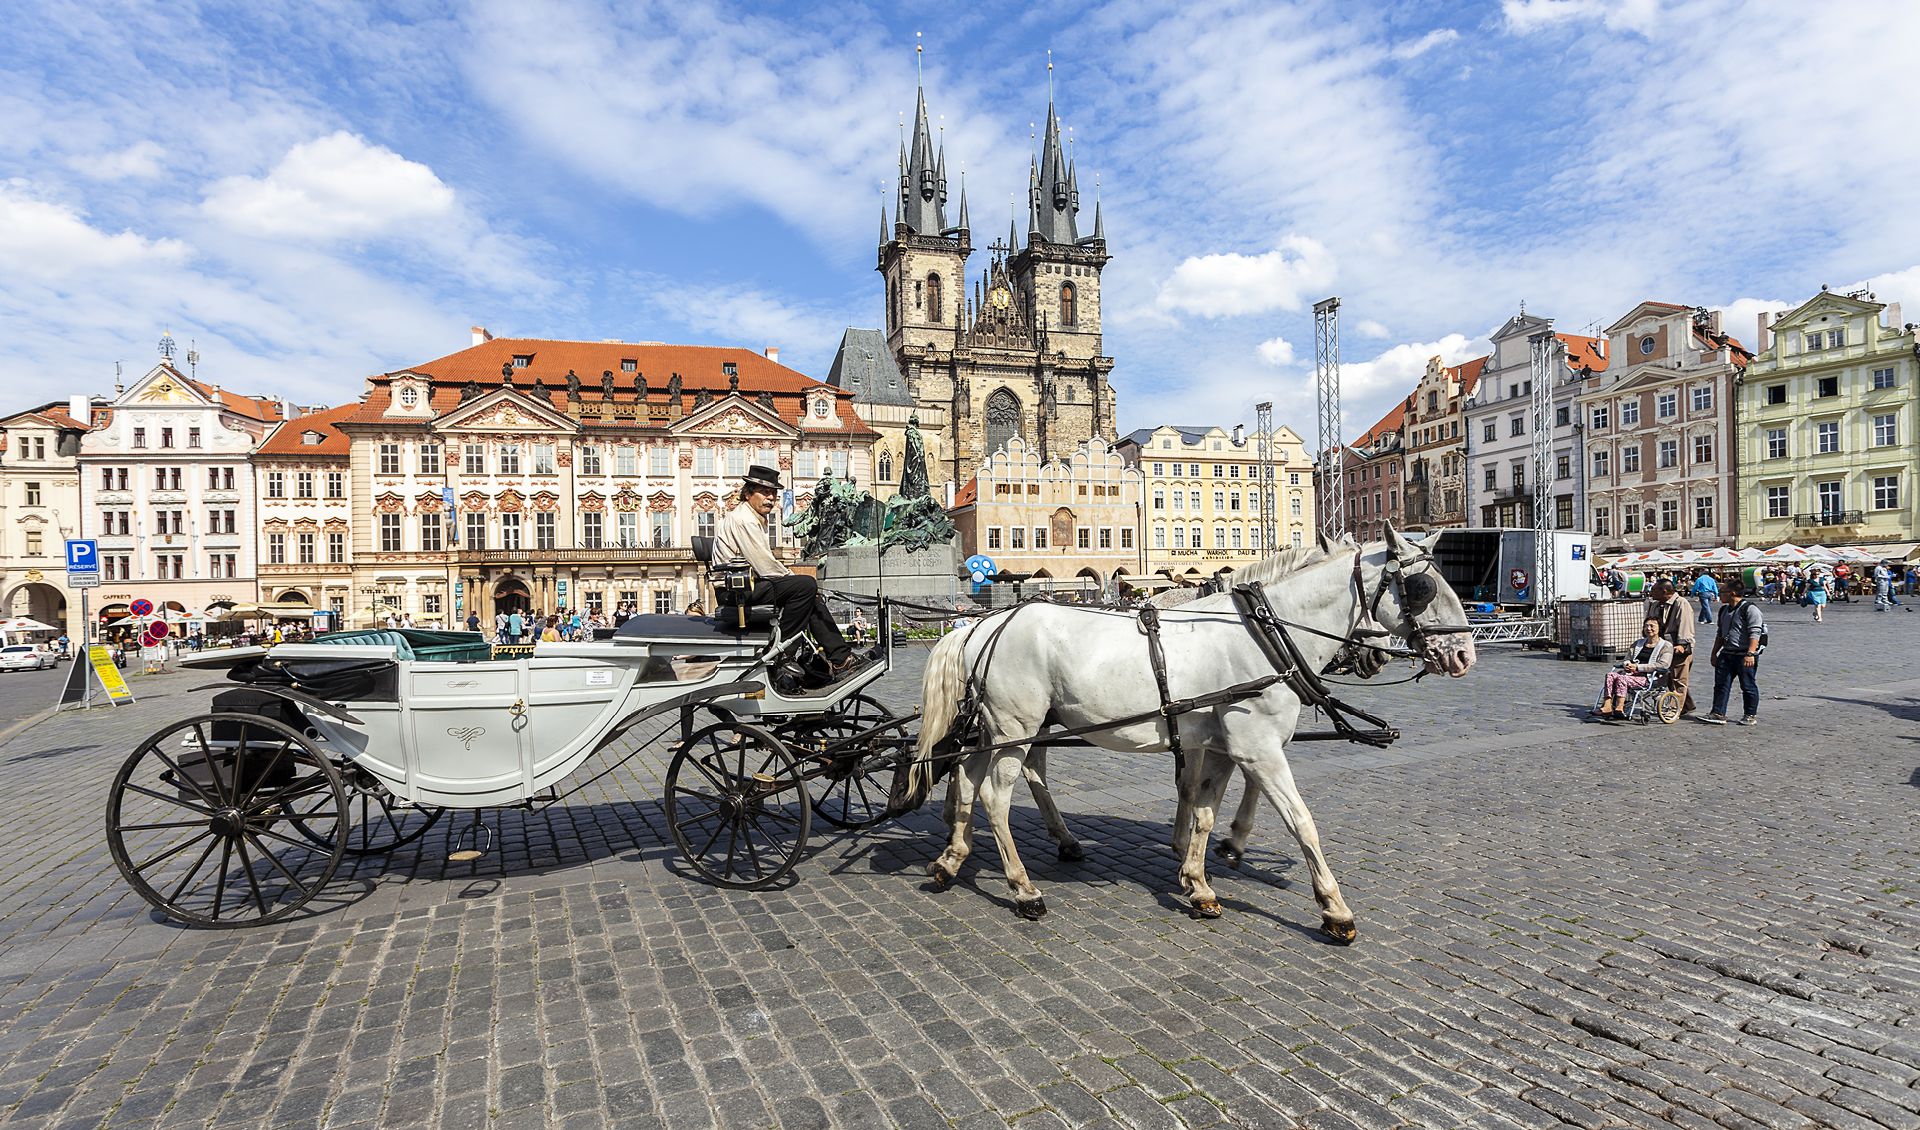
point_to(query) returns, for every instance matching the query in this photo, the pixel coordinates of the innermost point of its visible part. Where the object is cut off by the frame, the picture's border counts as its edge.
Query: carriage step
(480, 834)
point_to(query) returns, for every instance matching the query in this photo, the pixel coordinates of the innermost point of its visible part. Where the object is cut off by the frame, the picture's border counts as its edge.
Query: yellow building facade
(1826, 419)
(1202, 496)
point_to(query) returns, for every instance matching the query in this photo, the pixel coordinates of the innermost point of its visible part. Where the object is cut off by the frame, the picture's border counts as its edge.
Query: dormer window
(522, 360)
(312, 439)
(729, 369)
(409, 396)
(629, 365)
(821, 408)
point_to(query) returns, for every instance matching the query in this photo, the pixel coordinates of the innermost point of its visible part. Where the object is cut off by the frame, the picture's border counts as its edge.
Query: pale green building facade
(1826, 422)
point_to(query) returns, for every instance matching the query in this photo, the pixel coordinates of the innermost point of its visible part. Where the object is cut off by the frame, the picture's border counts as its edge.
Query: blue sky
(312, 193)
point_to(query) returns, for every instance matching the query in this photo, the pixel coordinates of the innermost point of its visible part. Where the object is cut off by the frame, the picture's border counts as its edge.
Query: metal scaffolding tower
(1546, 356)
(1326, 397)
(1267, 493)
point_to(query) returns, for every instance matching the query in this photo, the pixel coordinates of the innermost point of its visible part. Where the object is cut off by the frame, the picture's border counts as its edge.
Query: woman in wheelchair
(1651, 656)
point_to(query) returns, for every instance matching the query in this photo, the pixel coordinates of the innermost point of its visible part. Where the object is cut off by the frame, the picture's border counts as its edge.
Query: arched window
(1003, 419)
(1069, 308)
(886, 467)
(934, 309)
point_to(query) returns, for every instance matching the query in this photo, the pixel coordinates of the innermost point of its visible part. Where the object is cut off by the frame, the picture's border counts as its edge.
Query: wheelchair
(1657, 701)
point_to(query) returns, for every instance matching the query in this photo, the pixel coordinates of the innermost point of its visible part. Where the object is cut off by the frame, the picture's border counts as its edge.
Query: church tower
(923, 260)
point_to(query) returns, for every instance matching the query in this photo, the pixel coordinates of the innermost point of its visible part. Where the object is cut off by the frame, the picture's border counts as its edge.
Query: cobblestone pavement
(1560, 923)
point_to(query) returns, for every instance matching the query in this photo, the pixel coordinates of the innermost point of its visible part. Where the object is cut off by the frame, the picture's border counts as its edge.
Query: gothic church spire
(923, 178)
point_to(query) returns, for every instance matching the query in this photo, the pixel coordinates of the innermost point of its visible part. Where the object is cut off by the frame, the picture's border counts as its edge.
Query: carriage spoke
(246, 868)
(278, 866)
(717, 829)
(144, 791)
(191, 872)
(220, 877)
(718, 782)
(263, 830)
(182, 774)
(240, 764)
(316, 785)
(157, 827)
(265, 774)
(206, 758)
(170, 852)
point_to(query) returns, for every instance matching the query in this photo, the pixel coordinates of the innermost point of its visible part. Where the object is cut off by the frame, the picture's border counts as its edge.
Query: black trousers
(802, 609)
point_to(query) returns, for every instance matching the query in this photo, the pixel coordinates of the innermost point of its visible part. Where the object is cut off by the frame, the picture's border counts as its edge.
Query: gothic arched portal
(1003, 419)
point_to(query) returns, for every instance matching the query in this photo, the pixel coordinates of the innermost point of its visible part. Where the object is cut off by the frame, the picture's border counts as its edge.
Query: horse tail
(942, 688)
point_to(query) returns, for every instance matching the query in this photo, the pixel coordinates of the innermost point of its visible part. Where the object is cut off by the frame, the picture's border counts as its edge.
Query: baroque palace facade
(1015, 354)
(532, 474)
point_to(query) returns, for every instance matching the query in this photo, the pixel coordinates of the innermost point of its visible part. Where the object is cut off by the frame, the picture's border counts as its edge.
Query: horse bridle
(1416, 587)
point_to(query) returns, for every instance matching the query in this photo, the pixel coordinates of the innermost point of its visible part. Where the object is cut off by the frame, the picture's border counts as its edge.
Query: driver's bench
(733, 605)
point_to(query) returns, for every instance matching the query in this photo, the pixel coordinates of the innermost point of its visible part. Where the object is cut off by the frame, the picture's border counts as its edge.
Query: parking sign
(83, 555)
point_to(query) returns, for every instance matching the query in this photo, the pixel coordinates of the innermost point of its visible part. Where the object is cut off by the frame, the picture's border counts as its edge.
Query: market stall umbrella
(1785, 552)
(25, 624)
(1719, 555)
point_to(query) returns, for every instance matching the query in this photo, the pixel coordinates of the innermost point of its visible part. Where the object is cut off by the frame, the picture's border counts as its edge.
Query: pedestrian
(1842, 574)
(1736, 655)
(1817, 597)
(1677, 628)
(1648, 658)
(516, 626)
(473, 621)
(1706, 590)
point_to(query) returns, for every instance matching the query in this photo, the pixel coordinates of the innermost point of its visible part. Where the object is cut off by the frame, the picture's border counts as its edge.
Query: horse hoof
(941, 876)
(1031, 911)
(1205, 908)
(1227, 852)
(1341, 932)
(1071, 853)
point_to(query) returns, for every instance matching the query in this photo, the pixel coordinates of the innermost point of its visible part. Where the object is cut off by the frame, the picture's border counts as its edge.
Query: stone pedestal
(931, 575)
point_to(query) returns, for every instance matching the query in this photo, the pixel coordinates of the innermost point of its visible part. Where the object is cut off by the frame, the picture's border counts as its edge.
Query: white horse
(1082, 668)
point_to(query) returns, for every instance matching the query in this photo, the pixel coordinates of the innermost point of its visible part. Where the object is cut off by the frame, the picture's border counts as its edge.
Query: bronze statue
(573, 385)
(673, 388)
(469, 390)
(733, 383)
(506, 373)
(606, 384)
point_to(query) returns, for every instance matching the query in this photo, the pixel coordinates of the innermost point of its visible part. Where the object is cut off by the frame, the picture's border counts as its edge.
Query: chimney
(1893, 316)
(1239, 435)
(481, 336)
(1600, 346)
(773, 354)
(1763, 337)
(79, 409)
(286, 409)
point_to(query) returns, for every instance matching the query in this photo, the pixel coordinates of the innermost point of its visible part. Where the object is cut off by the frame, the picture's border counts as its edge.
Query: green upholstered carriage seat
(418, 643)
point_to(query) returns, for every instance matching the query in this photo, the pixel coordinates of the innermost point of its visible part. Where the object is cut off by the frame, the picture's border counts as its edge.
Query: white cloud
(137, 162)
(1220, 286)
(1895, 286)
(1395, 371)
(1276, 351)
(1439, 37)
(41, 239)
(333, 187)
(1367, 327)
(1525, 16)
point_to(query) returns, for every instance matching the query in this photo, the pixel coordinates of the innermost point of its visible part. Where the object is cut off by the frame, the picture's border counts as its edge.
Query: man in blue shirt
(1736, 653)
(1707, 591)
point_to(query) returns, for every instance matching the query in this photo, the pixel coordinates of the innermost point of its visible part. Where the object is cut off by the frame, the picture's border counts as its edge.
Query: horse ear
(1395, 543)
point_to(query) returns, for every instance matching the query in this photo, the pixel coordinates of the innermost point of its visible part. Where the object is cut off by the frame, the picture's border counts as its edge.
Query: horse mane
(1266, 570)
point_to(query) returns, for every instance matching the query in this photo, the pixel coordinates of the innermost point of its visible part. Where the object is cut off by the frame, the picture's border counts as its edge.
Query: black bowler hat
(765, 478)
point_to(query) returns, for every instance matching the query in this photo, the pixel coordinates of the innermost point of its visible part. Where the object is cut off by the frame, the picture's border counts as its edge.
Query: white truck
(1494, 571)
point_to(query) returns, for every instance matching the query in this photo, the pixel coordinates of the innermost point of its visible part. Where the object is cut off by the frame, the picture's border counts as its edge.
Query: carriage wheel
(201, 820)
(737, 805)
(853, 791)
(1669, 705)
(378, 821)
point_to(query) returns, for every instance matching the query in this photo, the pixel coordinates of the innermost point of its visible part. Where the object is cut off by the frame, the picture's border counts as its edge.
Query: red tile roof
(259, 408)
(549, 362)
(1585, 352)
(289, 439)
(1388, 423)
(968, 494)
(1468, 373)
(1740, 354)
(53, 415)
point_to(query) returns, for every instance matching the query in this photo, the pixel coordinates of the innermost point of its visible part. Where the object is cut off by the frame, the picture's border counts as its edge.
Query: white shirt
(741, 539)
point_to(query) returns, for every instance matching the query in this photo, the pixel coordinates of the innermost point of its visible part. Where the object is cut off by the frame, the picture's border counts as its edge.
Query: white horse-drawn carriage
(359, 742)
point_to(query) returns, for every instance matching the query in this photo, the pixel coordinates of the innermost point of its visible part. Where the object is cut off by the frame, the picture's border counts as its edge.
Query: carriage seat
(733, 592)
(668, 626)
(418, 643)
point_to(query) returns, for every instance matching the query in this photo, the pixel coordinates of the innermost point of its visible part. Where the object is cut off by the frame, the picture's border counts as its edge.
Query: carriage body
(358, 745)
(478, 733)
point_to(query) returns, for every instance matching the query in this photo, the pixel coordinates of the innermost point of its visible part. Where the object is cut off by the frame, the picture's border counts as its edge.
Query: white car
(24, 657)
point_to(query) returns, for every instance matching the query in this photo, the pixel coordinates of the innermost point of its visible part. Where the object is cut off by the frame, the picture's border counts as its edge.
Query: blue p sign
(83, 556)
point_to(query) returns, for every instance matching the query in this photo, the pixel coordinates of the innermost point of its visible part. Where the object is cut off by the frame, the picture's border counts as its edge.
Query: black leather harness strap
(1271, 636)
(1157, 656)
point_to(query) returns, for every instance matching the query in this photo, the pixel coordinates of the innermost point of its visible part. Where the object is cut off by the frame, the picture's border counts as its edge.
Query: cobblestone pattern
(1560, 924)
